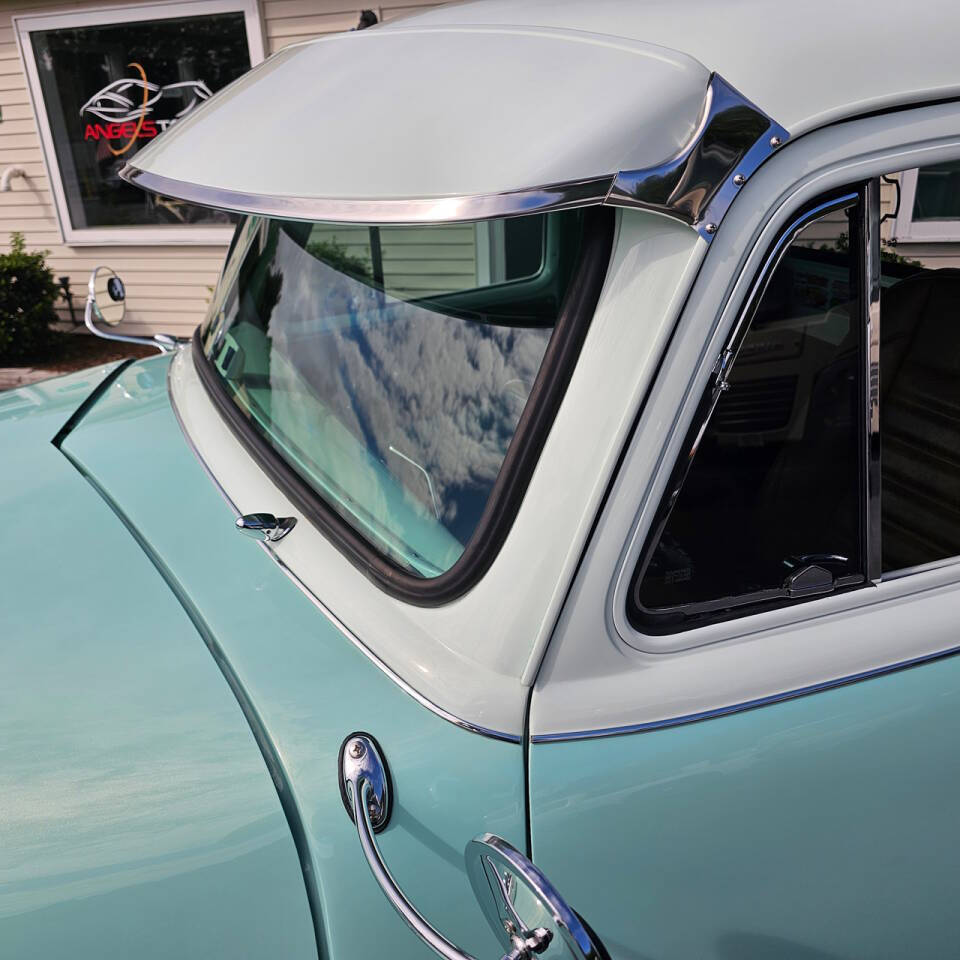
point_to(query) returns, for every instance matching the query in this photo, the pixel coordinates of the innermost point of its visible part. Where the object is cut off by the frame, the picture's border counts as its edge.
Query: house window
(105, 83)
(929, 208)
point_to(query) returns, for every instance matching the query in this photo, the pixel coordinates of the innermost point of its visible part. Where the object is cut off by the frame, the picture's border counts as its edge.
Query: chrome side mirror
(107, 304)
(524, 909)
(522, 906)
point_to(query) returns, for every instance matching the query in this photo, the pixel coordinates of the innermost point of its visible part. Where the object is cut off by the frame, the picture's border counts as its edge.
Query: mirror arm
(162, 341)
(366, 787)
(410, 915)
(366, 792)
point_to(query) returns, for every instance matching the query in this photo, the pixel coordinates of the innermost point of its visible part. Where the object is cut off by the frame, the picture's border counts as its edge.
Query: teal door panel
(307, 687)
(819, 828)
(137, 818)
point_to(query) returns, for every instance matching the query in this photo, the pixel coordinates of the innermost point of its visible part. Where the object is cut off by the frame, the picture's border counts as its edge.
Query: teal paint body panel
(137, 818)
(815, 829)
(46, 404)
(307, 687)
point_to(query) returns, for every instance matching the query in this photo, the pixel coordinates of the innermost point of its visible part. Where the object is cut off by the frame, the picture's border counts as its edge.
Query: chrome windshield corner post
(698, 185)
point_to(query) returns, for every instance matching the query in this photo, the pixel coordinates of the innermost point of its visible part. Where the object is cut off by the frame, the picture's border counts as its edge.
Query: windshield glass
(390, 366)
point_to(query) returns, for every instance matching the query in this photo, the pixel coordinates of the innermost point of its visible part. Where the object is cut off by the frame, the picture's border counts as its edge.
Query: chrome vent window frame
(697, 615)
(733, 137)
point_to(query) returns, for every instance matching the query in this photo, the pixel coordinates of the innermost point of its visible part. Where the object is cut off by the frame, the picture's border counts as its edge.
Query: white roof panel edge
(805, 64)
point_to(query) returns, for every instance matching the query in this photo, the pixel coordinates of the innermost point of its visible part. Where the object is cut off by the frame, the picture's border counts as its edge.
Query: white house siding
(168, 287)
(417, 261)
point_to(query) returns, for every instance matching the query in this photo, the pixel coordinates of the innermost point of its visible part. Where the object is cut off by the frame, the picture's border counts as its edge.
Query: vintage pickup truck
(548, 544)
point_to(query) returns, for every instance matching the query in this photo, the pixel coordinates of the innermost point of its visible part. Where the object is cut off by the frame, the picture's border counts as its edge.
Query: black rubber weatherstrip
(514, 477)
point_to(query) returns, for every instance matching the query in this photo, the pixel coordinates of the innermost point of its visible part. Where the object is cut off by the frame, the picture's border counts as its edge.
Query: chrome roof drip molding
(698, 185)
(732, 139)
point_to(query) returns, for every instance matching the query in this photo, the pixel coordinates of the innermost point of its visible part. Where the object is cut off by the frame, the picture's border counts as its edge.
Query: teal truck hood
(136, 815)
(126, 498)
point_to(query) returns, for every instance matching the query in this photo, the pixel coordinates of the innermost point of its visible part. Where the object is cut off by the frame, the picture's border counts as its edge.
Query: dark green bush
(335, 255)
(28, 291)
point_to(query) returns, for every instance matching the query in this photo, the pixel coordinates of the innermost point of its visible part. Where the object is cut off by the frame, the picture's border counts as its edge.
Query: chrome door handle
(496, 871)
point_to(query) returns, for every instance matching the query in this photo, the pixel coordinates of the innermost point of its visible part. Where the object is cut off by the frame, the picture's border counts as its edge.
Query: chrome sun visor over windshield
(308, 136)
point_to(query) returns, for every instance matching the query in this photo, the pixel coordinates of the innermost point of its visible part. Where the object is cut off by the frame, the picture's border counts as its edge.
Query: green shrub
(335, 254)
(28, 291)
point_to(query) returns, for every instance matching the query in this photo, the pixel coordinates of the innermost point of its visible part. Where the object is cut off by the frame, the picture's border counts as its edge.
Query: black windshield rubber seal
(513, 479)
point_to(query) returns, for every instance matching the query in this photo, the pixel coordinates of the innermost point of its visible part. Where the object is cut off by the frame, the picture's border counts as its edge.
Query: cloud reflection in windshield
(445, 392)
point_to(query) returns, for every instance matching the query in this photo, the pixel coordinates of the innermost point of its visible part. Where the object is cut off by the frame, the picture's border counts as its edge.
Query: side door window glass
(927, 208)
(770, 508)
(920, 372)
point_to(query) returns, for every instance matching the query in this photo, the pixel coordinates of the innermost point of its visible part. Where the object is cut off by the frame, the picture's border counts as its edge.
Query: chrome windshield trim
(557, 196)
(732, 139)
(697, 186)
(334, 620)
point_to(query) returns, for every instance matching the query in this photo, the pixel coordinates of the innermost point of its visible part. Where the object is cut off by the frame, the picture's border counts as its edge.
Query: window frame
(523, 454)
(866, 196)
(145, 235)
(600, 675)
(907, 230)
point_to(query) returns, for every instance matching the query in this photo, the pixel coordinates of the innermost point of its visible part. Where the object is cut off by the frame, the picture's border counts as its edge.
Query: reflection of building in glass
(920, 213)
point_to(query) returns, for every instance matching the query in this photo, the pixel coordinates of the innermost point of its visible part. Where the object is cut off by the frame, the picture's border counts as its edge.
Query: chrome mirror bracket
(362, 764)
(498, 872)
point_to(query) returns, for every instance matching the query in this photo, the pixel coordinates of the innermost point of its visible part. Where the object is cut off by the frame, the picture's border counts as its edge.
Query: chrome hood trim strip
(697, 186)
(326, 611)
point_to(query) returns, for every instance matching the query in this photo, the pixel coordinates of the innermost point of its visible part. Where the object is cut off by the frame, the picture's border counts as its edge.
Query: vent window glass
(770, 507)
